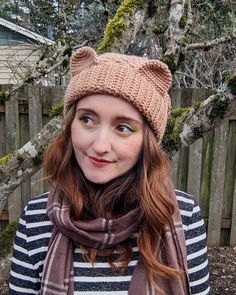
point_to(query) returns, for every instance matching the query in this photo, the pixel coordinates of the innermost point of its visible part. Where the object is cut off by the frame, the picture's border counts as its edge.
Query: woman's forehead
(104, 103)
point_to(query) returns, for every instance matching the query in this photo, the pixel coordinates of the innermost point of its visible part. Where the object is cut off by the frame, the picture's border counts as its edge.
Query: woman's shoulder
(185, 200)
(35, 210)
(39, 201)
(189, 209)
(35, 224)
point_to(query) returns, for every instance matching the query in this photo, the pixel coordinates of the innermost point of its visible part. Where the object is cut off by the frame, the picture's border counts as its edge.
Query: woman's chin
(99, 179)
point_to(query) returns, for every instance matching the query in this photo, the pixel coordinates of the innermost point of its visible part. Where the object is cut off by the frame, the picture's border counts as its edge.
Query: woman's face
(107, 137)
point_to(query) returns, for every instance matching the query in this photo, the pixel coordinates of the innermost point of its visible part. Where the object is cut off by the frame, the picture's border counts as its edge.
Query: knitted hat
(141, 82)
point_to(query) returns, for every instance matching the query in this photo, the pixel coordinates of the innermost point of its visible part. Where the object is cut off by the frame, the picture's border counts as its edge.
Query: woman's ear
(82, 59)
(158, 73)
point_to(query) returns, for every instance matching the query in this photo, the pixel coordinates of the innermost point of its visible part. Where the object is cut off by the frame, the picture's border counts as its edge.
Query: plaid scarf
(58, 273)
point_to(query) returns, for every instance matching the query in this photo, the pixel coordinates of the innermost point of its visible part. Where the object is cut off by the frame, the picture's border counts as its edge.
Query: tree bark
(122, 29)
(209, 44)
(194, 122)
(175, 32)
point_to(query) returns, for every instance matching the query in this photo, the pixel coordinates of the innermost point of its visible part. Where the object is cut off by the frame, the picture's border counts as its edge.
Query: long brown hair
(142, 187)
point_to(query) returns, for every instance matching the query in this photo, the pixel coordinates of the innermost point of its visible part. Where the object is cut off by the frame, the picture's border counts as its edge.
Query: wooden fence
(206, 169)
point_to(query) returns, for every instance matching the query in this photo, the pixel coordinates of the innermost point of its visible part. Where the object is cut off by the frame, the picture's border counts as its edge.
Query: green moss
(170, 61)
(67, 51)
(197, 105)
(56, 110)
(7, 238)
(185, 40)
(3, 95)
(183, 22)
(171, 140)
(159, 30)
(117, 25)
(6, 158)
(179, 112)
(219, 109)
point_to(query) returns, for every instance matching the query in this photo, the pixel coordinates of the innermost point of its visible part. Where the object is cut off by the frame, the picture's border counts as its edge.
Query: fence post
(35, 125)
(217, 185)
(176, 103)
(12, 143)
(233, 224)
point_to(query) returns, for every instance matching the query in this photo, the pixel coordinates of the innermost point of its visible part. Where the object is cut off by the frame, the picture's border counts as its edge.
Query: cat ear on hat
(83, 58)
(158, 73)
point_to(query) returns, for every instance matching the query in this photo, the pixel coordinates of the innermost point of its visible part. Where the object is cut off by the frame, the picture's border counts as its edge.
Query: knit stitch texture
(141, 82)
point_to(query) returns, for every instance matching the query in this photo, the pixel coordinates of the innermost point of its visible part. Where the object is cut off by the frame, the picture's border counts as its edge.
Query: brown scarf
(58, 273)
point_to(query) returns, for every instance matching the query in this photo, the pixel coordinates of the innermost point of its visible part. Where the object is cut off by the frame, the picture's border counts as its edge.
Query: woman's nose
(102, 143)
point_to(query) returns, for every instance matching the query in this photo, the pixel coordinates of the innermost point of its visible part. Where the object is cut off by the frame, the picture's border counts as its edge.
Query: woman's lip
(99, 160)
(98, 163)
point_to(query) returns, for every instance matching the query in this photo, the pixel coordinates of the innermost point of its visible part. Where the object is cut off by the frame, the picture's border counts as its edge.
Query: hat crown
(143, 83)
(87, 57)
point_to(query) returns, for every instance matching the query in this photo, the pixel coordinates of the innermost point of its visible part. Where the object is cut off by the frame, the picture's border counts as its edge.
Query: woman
(112, 223)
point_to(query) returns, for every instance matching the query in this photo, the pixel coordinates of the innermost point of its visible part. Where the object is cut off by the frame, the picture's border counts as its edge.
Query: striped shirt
(34, 232)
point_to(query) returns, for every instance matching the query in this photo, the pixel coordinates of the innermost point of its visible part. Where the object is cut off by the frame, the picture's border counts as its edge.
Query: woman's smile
(99, 163)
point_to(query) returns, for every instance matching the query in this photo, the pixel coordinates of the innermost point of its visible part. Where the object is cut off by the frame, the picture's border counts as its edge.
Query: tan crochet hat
(141, 82)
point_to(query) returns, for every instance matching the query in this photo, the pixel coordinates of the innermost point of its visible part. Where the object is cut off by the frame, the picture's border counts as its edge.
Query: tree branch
(210, 44)
(176, 31)
(61, 57)
(122, 29)
(186, 125)
(192, 77)
(22, 164)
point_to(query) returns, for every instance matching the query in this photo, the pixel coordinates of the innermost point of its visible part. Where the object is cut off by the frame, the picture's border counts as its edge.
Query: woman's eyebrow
(86, 110)
(126, 118)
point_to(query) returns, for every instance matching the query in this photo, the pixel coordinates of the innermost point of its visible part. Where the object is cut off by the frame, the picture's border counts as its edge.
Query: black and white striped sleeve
(195, 235)
(23, 276)
(30, 248)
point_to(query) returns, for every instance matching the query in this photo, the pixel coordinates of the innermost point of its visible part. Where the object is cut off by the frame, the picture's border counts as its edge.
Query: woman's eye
(87, 120)
(125, 129)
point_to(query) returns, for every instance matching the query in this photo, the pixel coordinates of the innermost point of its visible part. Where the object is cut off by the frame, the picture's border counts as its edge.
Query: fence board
(176, 103)
(233, 224)
(35, 125)
(182, 174)
(230, 175)
(208, 142)
(217, 185)
(2, 134)
(12, 143)
(194, 168)
(230, 172)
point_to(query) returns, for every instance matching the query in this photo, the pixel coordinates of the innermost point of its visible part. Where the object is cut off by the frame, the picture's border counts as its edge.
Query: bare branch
(192, 77)
(210, 44)
(62, 56)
